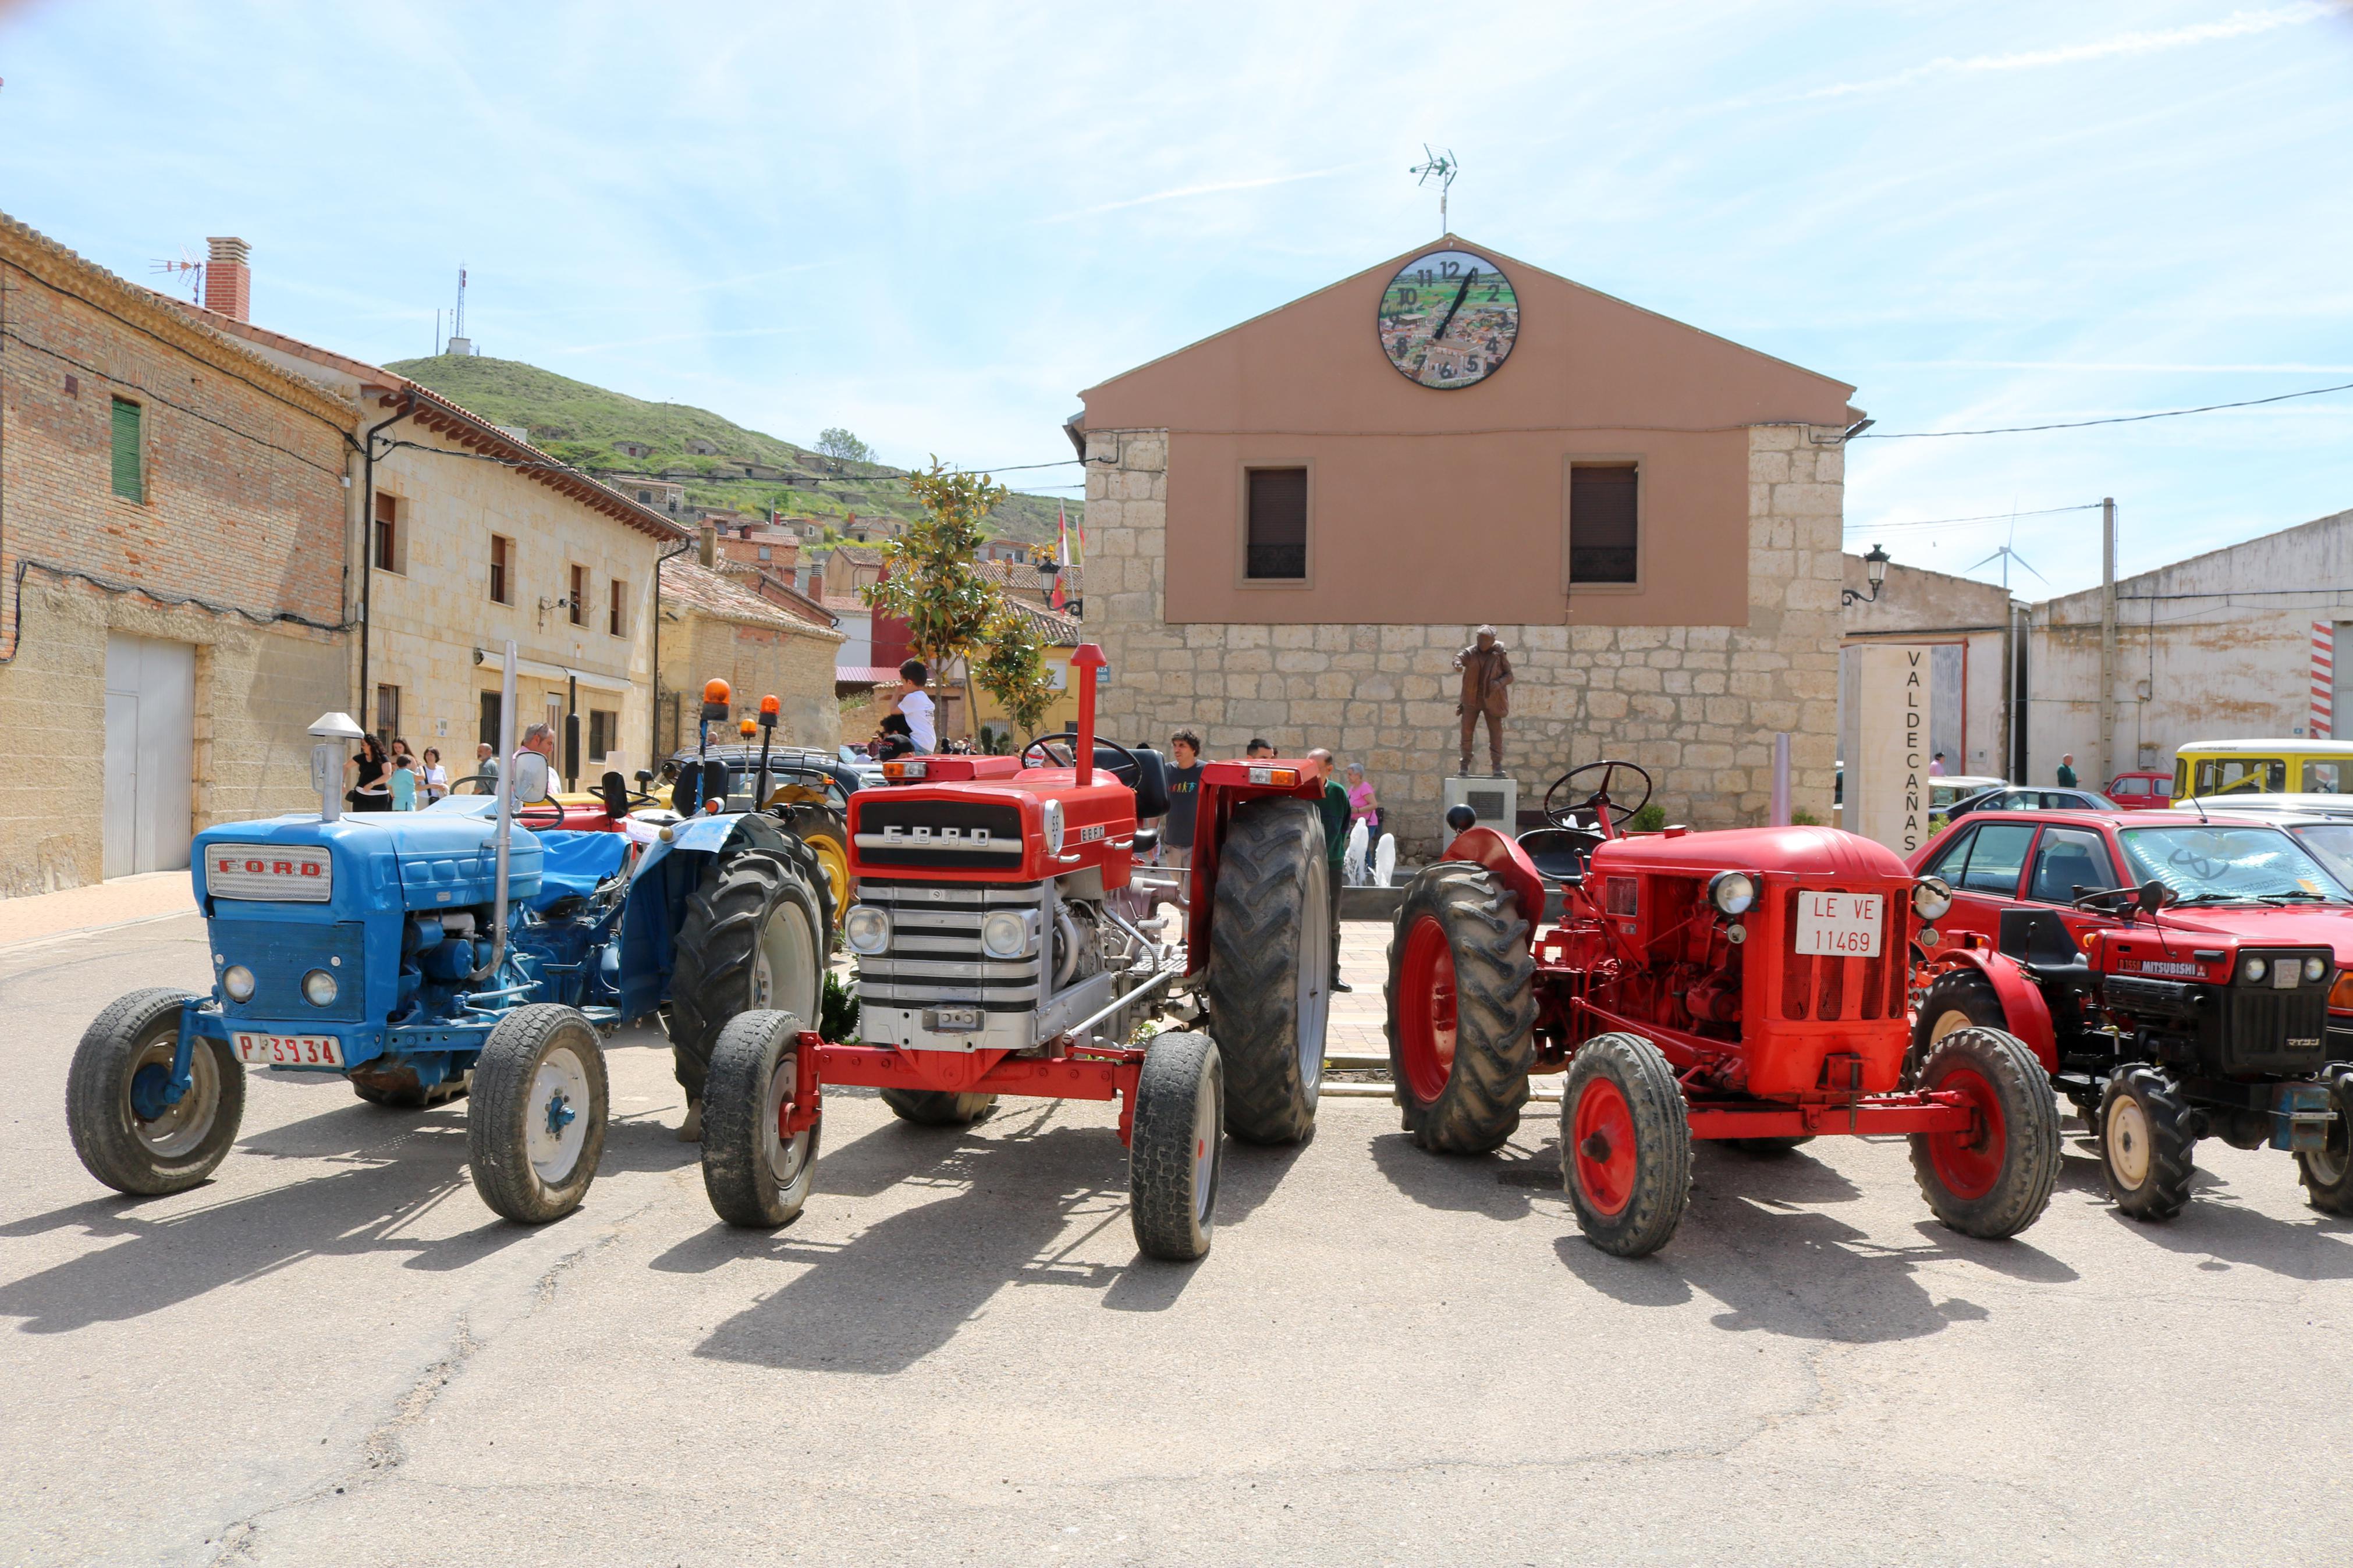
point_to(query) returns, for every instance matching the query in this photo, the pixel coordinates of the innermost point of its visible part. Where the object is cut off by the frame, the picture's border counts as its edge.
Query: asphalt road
(333, 1355)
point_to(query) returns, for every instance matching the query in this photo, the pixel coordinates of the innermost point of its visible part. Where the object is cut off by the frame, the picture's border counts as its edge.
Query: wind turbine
(2005, 554)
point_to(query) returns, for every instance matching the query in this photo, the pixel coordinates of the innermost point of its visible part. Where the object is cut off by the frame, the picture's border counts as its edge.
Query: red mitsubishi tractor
(1747, 985)
(1008, 944)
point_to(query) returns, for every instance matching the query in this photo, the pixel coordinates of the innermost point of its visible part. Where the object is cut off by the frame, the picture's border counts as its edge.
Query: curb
(27, 943)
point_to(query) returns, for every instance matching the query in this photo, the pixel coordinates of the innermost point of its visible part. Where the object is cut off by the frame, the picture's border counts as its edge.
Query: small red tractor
(1747, 985)
(1008, 944)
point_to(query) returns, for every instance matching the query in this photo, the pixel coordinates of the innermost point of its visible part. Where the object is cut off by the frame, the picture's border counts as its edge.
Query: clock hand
(1459, 295)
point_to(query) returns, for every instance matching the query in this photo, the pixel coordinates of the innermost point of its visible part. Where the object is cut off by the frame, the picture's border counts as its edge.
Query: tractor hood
(1781, 851)
(375, 860)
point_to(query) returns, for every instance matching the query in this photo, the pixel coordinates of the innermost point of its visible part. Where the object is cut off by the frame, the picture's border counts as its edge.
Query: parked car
(2239, 875)
(2272, 806)
(2239, 768)
(2023, 797)
(2141, 791)
(1944, 793)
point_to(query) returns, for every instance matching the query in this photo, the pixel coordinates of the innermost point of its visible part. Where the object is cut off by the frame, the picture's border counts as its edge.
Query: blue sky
(936, 223)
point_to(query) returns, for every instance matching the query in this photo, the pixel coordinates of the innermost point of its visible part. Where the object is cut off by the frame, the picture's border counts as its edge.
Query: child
(403, 782)
(916, 708)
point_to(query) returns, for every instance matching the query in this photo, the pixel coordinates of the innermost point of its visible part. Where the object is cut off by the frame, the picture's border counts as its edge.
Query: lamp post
(1875, 566)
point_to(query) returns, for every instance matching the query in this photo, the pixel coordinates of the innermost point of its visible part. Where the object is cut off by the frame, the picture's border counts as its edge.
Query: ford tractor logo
(268, 872)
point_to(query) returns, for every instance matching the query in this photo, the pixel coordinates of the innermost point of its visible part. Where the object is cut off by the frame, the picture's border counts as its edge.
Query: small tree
(1011, 667)
(929, 578)
(837, 442)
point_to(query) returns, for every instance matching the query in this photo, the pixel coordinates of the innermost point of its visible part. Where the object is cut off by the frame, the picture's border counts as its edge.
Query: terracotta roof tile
(696, 586)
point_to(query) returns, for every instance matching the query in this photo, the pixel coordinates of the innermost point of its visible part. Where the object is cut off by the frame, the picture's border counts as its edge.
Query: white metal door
(151, 744)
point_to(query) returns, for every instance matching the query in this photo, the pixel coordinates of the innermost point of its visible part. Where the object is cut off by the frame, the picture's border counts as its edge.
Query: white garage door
(151, 748)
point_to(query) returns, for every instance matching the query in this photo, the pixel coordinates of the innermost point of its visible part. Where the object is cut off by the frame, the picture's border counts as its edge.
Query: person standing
(1363, 807)
(368, 791)
(1486, 694)
(1258, 750)
(436, 777)
(917, 708)
(485, 762)
(2067, 771)
(402, 782)
(1937, 766)
(1336, 848)
(1184, 799)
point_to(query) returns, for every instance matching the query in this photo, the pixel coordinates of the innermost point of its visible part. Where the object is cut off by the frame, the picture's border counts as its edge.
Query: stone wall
(1696, 705)
(797, 667)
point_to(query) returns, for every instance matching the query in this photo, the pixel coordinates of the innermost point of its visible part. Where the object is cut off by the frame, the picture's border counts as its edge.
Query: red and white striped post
(2324, 679)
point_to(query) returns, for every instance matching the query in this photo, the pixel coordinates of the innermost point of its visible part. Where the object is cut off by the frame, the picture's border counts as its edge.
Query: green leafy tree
(837, 442)
(930, 580)
(1011, 667)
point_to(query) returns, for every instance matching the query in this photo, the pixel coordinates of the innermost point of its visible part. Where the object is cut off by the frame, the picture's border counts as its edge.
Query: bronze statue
(1486, 685)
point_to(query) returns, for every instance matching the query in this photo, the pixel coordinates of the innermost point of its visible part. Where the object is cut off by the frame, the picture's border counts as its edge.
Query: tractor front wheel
(128, 1133)
(1271, 967)
(1461, 1009)
(1958, 999)
(1625, 1144)
(1178, 1147)
(755, 938)
(2327, 1171)
(535, 1130)
(2147, 1149)
(1994, 1178)
(754, 1175)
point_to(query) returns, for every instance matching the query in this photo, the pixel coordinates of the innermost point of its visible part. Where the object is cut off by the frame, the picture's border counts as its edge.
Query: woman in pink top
(1362, 806)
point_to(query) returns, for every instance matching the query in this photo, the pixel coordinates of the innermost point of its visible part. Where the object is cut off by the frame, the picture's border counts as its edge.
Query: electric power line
(2080, 424)
(1947, 521)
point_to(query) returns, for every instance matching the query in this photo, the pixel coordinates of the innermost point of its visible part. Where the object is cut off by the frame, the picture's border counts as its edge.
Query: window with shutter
(387, 533)
(1604, 546)
(617, 608)
(502, 568)
(130, 477)
(1276, 548)
(577, 601)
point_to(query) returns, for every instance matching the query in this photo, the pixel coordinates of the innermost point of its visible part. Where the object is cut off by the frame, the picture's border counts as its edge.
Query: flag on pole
(1061, 552)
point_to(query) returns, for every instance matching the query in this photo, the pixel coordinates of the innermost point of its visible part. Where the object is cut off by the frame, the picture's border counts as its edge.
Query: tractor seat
(574, 864)
(2039, 940)
(1559, 852)
(1147, 839)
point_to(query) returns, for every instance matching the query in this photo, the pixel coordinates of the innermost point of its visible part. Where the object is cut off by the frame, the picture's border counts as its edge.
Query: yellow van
(2207, 769)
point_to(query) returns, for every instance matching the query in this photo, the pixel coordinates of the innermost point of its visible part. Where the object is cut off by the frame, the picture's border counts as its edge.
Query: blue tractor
(485, 945)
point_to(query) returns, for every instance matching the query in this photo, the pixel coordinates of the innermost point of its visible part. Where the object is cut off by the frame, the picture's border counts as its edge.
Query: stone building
(1966, 625)
(1291, 536)
(714, 624)
(471, 537)
(172, 617)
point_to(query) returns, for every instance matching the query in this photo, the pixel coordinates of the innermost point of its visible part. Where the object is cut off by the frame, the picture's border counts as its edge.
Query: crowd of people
(392, 777)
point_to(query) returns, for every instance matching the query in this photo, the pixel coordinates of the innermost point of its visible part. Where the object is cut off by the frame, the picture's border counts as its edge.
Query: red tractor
(1747, 985)
(1008, 944)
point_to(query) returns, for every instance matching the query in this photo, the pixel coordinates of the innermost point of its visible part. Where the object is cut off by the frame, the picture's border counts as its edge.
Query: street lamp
(1875, 566)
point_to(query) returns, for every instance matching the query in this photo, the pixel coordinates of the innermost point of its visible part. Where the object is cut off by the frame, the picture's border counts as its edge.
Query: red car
(2141, 792)
(2240, 875)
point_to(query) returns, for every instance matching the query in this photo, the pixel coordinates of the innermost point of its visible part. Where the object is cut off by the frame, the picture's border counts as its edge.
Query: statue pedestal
(1497, 802)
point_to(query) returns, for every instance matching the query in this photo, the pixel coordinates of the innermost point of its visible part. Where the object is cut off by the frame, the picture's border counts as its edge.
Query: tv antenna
(1442, 167)
(188, 265)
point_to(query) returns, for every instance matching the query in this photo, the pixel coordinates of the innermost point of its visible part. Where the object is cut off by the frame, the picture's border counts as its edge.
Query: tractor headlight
(1005, 934)
(238, 981)
(1732, 892)
(1932, 897)
(866, 929)
(319, 988)
(1052, 812)
(2254, 970)
(2314, 967)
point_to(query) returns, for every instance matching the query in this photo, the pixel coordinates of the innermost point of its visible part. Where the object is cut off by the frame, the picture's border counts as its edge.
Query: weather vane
(1442, 167)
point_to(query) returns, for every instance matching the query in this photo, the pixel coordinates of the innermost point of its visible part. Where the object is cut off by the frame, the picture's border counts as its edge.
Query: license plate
(289, 1050)
(1839, 925)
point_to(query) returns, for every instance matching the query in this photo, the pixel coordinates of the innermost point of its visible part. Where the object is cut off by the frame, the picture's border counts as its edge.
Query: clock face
(1449, 319)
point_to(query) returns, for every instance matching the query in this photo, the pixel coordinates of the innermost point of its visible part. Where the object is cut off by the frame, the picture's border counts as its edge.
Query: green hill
(580, 424)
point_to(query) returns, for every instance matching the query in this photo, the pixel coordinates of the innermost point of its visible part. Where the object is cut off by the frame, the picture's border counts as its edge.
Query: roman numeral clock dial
(1449, 319)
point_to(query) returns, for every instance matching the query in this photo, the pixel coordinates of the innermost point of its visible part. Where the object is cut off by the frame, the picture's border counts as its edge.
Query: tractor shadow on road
(1022, 1203)
(2219, 1228)
(170, 1252)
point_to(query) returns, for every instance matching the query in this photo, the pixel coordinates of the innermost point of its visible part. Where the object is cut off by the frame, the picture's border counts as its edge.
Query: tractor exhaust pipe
(1086, 660)
(506, 816)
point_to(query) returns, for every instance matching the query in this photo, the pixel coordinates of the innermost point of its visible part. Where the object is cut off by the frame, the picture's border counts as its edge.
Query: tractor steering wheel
(550, 816)
(1599, 802)
(1047, 758)
(2109, 900)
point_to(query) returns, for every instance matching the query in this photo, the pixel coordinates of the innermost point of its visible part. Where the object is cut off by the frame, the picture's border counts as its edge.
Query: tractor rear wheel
(826, 830)
(2147, 1149)
(753, 1174)
(127, 1135)
(1995, 1178)
(1461, 1009)
(1625, 1144)
(1271, 967)
(756, 937)
(2328, 1173)
(1958, 999)
(1178, 1148)
(938, 1107)
(535, 1130)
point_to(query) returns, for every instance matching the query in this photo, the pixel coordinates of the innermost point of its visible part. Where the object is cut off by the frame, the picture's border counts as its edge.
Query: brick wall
(244, 508)
(1697, 706)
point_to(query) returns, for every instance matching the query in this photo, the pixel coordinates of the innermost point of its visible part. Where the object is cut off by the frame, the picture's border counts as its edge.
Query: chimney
(801, 578)
(709, 554)
(228, 281)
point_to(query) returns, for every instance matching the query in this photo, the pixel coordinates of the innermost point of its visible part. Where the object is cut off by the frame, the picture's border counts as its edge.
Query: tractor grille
(935, 958)
(1826, 988)
(945, 835)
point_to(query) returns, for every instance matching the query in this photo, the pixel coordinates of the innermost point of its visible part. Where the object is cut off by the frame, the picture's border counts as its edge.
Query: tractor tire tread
(107, 1145)
(1962, 990)
(2032, 1138)
(497, 1147)
(1260, 922)
(741, 1190)
(1663, 1141)
(938, 1107)
(1163, 1208)
(2334, 1197)
(711, 959)
(2172, 1151)
(1494, 1010)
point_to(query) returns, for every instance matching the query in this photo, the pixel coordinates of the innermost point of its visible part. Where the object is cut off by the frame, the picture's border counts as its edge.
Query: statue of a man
(1486, 686)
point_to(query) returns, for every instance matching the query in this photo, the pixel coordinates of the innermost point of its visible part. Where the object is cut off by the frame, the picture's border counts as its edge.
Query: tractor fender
(667, 872)
(2022, 1006)
(1510, 865)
